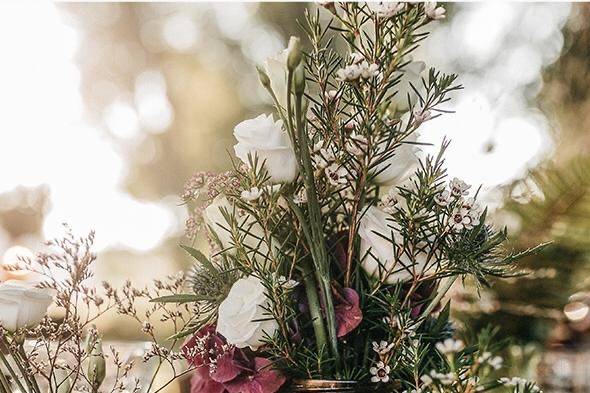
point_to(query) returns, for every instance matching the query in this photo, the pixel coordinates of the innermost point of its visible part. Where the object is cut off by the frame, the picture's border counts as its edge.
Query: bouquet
(332, 243)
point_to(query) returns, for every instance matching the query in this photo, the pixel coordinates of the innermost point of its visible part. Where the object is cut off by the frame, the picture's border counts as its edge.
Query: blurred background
(108, 108)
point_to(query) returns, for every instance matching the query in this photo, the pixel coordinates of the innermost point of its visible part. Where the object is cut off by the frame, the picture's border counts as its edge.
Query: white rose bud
(275, 68)
(380, 261)
(243, 318)
(295, 53)
(96, 365)
(263, 76)
(22, 304)
(265, 138)
(299, 80)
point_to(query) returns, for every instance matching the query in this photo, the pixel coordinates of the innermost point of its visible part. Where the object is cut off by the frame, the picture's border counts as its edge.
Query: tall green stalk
(318, 247)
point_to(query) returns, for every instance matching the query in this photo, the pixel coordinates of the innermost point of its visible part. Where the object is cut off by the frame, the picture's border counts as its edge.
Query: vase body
(330, 386)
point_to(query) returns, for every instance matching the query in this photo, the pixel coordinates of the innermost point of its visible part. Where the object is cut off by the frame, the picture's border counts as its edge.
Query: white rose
(250, 231)
(397, 164)
(265, 138)
(22, 304)
(276, 69)
(243, 318)
(379, 257)
(411, 73)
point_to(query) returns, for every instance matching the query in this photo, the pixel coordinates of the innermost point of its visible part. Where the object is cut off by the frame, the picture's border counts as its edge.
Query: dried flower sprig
(66, 354)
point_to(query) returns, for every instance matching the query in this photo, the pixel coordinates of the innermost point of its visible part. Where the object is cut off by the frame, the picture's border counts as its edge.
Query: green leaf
(199, 256)
(184, 333)
(180, 298)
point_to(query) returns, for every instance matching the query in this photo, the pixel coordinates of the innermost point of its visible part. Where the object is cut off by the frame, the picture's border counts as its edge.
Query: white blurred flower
(410, 74)
(380, 261)
(395, 163)
(287, 284)
(386, 9)
(450, 345)
(243, 318)
(22, 304)
(434, 12)
(215, 220)
(496, 362)
(265, 138)
(380, 372)
(252, 194)
(426, 380)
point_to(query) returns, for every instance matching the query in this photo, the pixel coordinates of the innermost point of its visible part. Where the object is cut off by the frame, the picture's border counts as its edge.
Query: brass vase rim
(330, 385)
(323, 382)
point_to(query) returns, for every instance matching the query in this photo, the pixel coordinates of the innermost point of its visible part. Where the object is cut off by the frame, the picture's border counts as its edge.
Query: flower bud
(91, 337)
(263, 76)
(294, 50)
(96, 366)
(299, 79)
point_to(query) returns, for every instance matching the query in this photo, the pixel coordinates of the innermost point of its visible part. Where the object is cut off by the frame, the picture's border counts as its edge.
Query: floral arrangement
(332, 243)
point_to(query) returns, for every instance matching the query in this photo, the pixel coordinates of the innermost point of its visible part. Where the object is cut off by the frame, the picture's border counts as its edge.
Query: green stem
(318, 247)
(12, 373)
(314, 307)
(4, 385)
(29, 379)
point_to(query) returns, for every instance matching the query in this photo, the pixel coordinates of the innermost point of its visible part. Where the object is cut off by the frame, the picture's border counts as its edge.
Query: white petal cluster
(434, 12)
(517, 382)
(252, 194)
(449, 346)
(355, 71)
(386, 9)
(493, 361)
